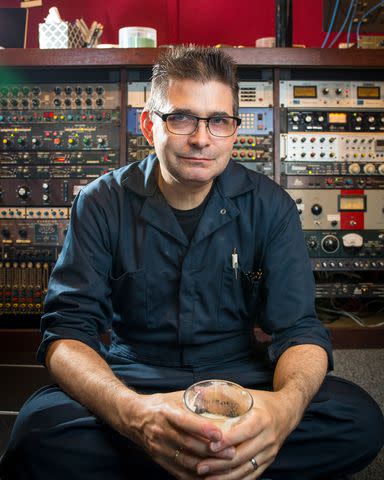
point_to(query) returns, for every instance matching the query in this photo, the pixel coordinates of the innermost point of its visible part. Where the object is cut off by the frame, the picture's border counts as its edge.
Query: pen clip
(235, 261)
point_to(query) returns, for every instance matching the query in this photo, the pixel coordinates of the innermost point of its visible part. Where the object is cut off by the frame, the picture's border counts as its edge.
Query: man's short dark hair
(192, 62)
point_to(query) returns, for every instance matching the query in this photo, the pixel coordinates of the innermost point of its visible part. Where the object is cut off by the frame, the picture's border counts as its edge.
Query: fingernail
(215, 446)
(203, 469)
(215, 436)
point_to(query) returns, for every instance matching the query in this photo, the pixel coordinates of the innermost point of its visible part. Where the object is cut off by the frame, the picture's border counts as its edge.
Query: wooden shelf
(246, 57)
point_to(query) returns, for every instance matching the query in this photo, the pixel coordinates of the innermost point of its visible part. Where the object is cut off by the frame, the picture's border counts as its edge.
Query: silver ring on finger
(177, 453)
(254, 464)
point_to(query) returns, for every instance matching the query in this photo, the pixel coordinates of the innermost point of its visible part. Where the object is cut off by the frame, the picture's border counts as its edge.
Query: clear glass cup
(220, 401)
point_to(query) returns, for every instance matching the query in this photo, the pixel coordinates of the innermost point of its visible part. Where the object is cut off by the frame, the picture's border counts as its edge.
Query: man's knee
(45, 411)
(361, 422)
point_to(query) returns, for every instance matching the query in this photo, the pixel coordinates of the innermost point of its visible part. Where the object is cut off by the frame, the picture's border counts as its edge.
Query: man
(181, 255)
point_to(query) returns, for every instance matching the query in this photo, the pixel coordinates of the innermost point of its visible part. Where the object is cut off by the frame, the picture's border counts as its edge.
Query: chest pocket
(239, 298)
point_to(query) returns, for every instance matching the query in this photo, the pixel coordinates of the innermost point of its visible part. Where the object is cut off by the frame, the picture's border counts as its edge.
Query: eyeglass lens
(187, 124)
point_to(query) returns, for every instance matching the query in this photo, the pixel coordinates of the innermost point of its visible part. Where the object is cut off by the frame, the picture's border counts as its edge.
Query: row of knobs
(5, 91)
(358, 119)
(327, 91)
(35, 102)
(331, 140)
(22, 142)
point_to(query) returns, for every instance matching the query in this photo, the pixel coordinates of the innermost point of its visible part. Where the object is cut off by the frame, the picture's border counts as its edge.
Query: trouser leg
(341, 432)
(56, 437)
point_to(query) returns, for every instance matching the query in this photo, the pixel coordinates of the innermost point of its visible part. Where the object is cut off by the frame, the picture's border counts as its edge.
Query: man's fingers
(195, 425)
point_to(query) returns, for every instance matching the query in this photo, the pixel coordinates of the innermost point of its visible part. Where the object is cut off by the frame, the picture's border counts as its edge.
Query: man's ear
(146, 126)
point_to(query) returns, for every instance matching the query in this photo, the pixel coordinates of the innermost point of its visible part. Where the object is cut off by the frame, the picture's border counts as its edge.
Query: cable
(343, 25)
(372, 9)
(351, 23)
(335, 8)
(350, 315)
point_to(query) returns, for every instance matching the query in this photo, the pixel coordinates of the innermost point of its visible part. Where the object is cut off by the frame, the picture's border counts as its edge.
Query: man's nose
(201, 136)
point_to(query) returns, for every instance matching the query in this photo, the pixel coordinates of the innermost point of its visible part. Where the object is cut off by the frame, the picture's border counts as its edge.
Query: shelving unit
(21, 342)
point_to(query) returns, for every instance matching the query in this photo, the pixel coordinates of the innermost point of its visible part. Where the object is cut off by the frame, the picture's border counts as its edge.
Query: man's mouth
(195, 159)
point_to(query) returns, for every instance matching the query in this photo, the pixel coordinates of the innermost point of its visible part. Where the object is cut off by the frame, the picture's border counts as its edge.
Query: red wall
(182, 21)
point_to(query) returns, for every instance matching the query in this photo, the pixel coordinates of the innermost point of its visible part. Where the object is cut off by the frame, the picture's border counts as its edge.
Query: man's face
(198, 158)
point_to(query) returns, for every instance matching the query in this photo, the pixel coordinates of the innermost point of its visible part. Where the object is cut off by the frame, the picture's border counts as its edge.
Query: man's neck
(183, 197)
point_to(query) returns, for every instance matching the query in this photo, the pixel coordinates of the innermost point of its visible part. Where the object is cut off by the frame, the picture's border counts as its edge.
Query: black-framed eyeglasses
(186, 123)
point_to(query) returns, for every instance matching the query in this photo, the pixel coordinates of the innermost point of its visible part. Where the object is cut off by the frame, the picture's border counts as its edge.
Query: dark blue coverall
(179, 313)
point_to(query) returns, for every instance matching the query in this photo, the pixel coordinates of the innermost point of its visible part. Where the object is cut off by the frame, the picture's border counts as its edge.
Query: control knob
(359, 119)
(371, 119)
(369, 169)
(354, 168)
(308, 119)
(312, 242)
(320, 118)
(338, 91)
(325, 91)
(330, 243)
(295, 118)
(316, 209)
(23, 192)
(23, 233)
(5, 233)
(380, 168)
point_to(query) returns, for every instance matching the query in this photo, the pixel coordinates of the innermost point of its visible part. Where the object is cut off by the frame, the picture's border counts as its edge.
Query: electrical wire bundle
(349, 17)
(329, 310)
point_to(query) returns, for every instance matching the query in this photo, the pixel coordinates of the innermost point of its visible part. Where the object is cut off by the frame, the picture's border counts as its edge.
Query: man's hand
(259, 435)
(299, 373)
(175, 438)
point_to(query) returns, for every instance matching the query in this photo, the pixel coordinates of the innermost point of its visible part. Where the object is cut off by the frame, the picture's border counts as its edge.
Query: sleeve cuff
(278, 347)
(51, 335)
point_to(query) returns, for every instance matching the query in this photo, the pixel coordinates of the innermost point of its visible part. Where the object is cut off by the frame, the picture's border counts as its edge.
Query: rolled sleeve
(288, 288)
(78, 305)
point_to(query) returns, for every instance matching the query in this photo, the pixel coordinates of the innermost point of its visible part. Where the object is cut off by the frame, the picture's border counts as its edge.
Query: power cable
(343, 25)
(351, 23)
(335, 9)
(366, 14)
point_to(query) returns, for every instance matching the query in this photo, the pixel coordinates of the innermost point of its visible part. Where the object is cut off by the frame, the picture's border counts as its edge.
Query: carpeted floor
(366, 368)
